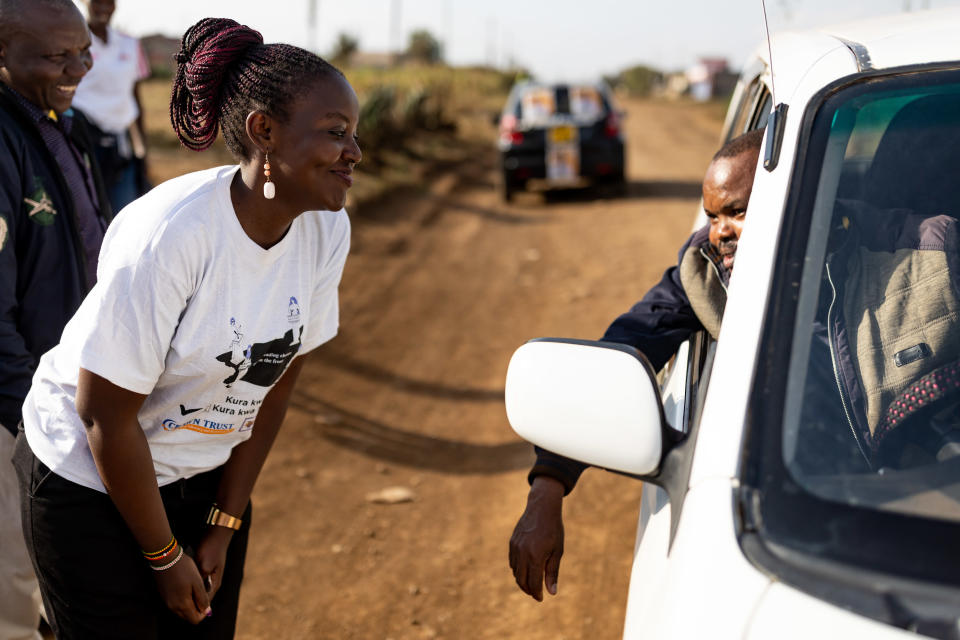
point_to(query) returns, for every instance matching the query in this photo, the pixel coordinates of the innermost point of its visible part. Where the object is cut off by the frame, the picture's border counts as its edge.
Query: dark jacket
(690, 297)
(42, 271)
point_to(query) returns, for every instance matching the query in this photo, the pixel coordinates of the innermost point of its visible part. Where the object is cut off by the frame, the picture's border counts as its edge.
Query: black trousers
(93, 578)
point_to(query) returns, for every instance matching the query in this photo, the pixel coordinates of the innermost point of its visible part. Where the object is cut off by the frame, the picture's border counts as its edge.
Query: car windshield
(872, 410)
(541, 104)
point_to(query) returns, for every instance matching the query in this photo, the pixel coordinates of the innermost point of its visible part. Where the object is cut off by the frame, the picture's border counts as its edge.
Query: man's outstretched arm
(536, 545)
(656, 325)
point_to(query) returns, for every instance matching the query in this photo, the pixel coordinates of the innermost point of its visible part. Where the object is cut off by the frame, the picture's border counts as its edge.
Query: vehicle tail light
(611, 128)
(508, 129)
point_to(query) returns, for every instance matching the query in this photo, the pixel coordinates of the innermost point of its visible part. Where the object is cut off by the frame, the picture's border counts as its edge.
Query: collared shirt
(55, 131)
(106, 95)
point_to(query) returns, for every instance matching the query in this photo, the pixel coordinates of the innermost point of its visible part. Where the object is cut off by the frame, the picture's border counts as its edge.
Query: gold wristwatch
(221, 519)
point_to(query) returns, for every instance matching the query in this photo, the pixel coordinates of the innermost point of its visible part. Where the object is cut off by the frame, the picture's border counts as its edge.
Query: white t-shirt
(106, 93)
(189, 311)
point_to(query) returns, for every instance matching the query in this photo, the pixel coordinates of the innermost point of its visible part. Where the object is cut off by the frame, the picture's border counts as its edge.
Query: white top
(106, 93)
(192, 313)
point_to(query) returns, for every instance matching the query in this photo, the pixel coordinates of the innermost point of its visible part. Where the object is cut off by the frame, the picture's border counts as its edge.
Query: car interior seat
(917, 162)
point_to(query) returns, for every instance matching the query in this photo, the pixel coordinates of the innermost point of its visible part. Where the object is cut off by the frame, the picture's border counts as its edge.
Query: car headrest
(917, 163)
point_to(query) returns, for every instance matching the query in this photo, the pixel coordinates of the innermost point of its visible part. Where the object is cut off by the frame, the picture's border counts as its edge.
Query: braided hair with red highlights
(225, 71)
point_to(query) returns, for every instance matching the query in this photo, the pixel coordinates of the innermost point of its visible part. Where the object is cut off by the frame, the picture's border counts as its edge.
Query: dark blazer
(42, 271)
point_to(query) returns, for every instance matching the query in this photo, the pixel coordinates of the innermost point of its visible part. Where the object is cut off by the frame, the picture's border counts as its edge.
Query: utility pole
(396, 35)
(506, 48)
(447, 27)
(492, 41)
(313, 9)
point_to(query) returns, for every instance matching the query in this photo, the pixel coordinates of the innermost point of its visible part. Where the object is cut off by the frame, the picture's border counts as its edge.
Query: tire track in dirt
(443, 284)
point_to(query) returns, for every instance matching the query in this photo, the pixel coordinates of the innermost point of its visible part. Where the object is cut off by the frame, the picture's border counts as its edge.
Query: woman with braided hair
(146, 427)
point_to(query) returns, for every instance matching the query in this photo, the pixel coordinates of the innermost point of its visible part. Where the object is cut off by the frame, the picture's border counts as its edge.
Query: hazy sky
(554, 38)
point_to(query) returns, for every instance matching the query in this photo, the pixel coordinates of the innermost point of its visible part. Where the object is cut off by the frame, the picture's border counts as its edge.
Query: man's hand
(212, 557)
(537, 541)
(182, 589)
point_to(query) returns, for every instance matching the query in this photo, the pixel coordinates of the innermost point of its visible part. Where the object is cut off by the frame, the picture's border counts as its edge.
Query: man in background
(53, 213)
(109, 97)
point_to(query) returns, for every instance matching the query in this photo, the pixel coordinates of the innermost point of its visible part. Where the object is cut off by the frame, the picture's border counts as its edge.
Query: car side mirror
(597, 402)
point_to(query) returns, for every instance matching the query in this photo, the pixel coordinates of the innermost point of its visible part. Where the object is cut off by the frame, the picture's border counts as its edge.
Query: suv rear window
(584, 103)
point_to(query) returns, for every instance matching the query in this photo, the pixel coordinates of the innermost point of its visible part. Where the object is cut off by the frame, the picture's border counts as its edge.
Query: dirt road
(440, 288)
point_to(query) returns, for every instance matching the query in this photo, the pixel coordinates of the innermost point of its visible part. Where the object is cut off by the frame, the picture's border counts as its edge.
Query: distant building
(709, 78)
(675, 85)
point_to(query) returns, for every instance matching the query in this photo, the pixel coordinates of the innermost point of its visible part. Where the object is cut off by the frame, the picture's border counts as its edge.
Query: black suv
(562, 134)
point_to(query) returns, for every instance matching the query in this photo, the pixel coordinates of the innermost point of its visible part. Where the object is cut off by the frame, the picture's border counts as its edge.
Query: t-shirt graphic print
(260, 363)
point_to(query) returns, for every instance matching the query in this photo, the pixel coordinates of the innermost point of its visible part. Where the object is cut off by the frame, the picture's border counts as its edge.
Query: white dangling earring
(269, 189)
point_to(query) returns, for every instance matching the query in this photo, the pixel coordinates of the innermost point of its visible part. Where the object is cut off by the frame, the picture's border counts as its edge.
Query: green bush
(377, 124)
(639, 80)
(398, 102)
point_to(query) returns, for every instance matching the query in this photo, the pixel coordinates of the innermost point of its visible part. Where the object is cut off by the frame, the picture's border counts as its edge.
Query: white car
(793, 489)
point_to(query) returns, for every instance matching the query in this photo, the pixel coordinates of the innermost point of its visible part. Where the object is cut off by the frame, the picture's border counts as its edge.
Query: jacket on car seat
(892, 321)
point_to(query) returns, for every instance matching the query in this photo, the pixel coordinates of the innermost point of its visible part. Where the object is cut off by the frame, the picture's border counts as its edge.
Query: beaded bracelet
(162, 553)
(172, 550)
(171, 563)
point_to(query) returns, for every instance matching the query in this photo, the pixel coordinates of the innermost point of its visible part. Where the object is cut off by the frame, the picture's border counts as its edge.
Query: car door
(683, 390)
